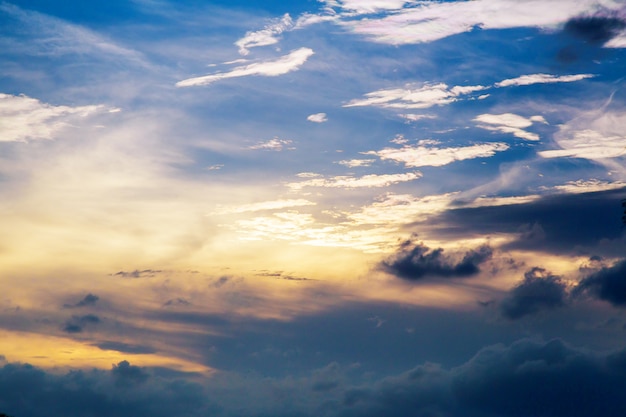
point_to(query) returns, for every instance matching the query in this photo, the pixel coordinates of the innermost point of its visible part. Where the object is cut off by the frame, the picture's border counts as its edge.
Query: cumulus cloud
(267, 36)
(540, 290)
(510, 123)
(285, 64)
(366, 181)
(25, 118)
(274, 144)
(414, 261)
(424, 155)
(608, 284)
(542, 79)
(413, 97)
(318, 118)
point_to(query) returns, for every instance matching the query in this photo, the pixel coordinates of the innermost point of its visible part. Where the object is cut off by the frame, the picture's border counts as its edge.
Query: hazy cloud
(596, 30)
(366, 181)
(77, 323)
(287, 63)
(274, 144)
(88, 300)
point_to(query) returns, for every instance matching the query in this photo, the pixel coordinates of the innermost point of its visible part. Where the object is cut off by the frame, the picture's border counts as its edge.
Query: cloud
(267, 36)
(354, 163)
(274, 144)
(607, 284)
(412, 97)
(285, 64)
(540, 290)
(423, 22)
(596, 30)
(264, 205)
(510, 123)
(125, 347)
(587, 144)
(417, 156)
(366, 181)
(541, 79)
(414, 261)
(88, 300)
(317, 118)
(77, 323)
(26, 118)
(149, 273)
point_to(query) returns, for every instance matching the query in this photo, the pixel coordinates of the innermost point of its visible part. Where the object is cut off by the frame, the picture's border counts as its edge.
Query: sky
(330, 208)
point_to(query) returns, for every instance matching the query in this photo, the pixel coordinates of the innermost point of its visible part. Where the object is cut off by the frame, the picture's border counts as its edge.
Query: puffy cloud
(540, 290)
(285, 64)
(274, 144)
(414, 261)
(608, 284)
(366, 181)
(267, 36)
(510, 123)
(421, 155)
(25, 118)
(411, 97)
(542, 79)
(317, 118)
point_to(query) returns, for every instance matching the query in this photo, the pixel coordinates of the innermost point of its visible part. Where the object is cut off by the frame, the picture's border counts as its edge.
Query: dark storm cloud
(77, 323)
(124, 391)
(595, 30)
(608, 284)
(88, 300)
(554, 224)
(540, 290)
(414, 261)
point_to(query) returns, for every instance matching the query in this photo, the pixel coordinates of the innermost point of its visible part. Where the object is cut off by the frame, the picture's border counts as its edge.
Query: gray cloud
(608, 284)
(540, 290)
(414, 261)
(595, 30)
(89, 300)
(77, 323)
(145, 273)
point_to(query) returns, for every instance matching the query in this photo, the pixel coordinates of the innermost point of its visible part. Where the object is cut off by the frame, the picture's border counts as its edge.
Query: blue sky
(312, 208)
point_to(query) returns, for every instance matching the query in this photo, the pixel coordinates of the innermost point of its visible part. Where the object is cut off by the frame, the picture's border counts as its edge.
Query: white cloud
(317, 118)
(428, 21)
(23, 118)
(542, 79)
(291, 62)
(587, 186)
(417, 156)
(267, 36)
(422, 97)
(618, 41)
(366, 181)
(588, 144)
(274, 144)
(354, 163)
(416, 117)
(510, 123)
(262, 206)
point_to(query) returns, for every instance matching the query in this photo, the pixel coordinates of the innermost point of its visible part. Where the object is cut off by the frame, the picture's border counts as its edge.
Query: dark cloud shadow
(607, 284)
(540, 290)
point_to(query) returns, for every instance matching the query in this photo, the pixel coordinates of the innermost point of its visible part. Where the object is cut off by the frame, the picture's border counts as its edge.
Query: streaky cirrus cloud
(539, 290)
(423, 155)
(283, 65)
(413, 97)
(262, 206)
(414, 261)
(25, 118)
(510, 123)
(266, 36)
(541, 79)
(317, 118)
(365, 181)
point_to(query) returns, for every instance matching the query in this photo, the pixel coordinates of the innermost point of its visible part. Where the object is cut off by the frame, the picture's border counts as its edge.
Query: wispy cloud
(366, 181)
(424, 155)
(317, 118)
(285, 64)
(25, 118)
(510, 123)
(589, 144)
(354, 163)
(274, 144)
(411, 97)
(542, 79)
(262, 206)
(267, 36)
